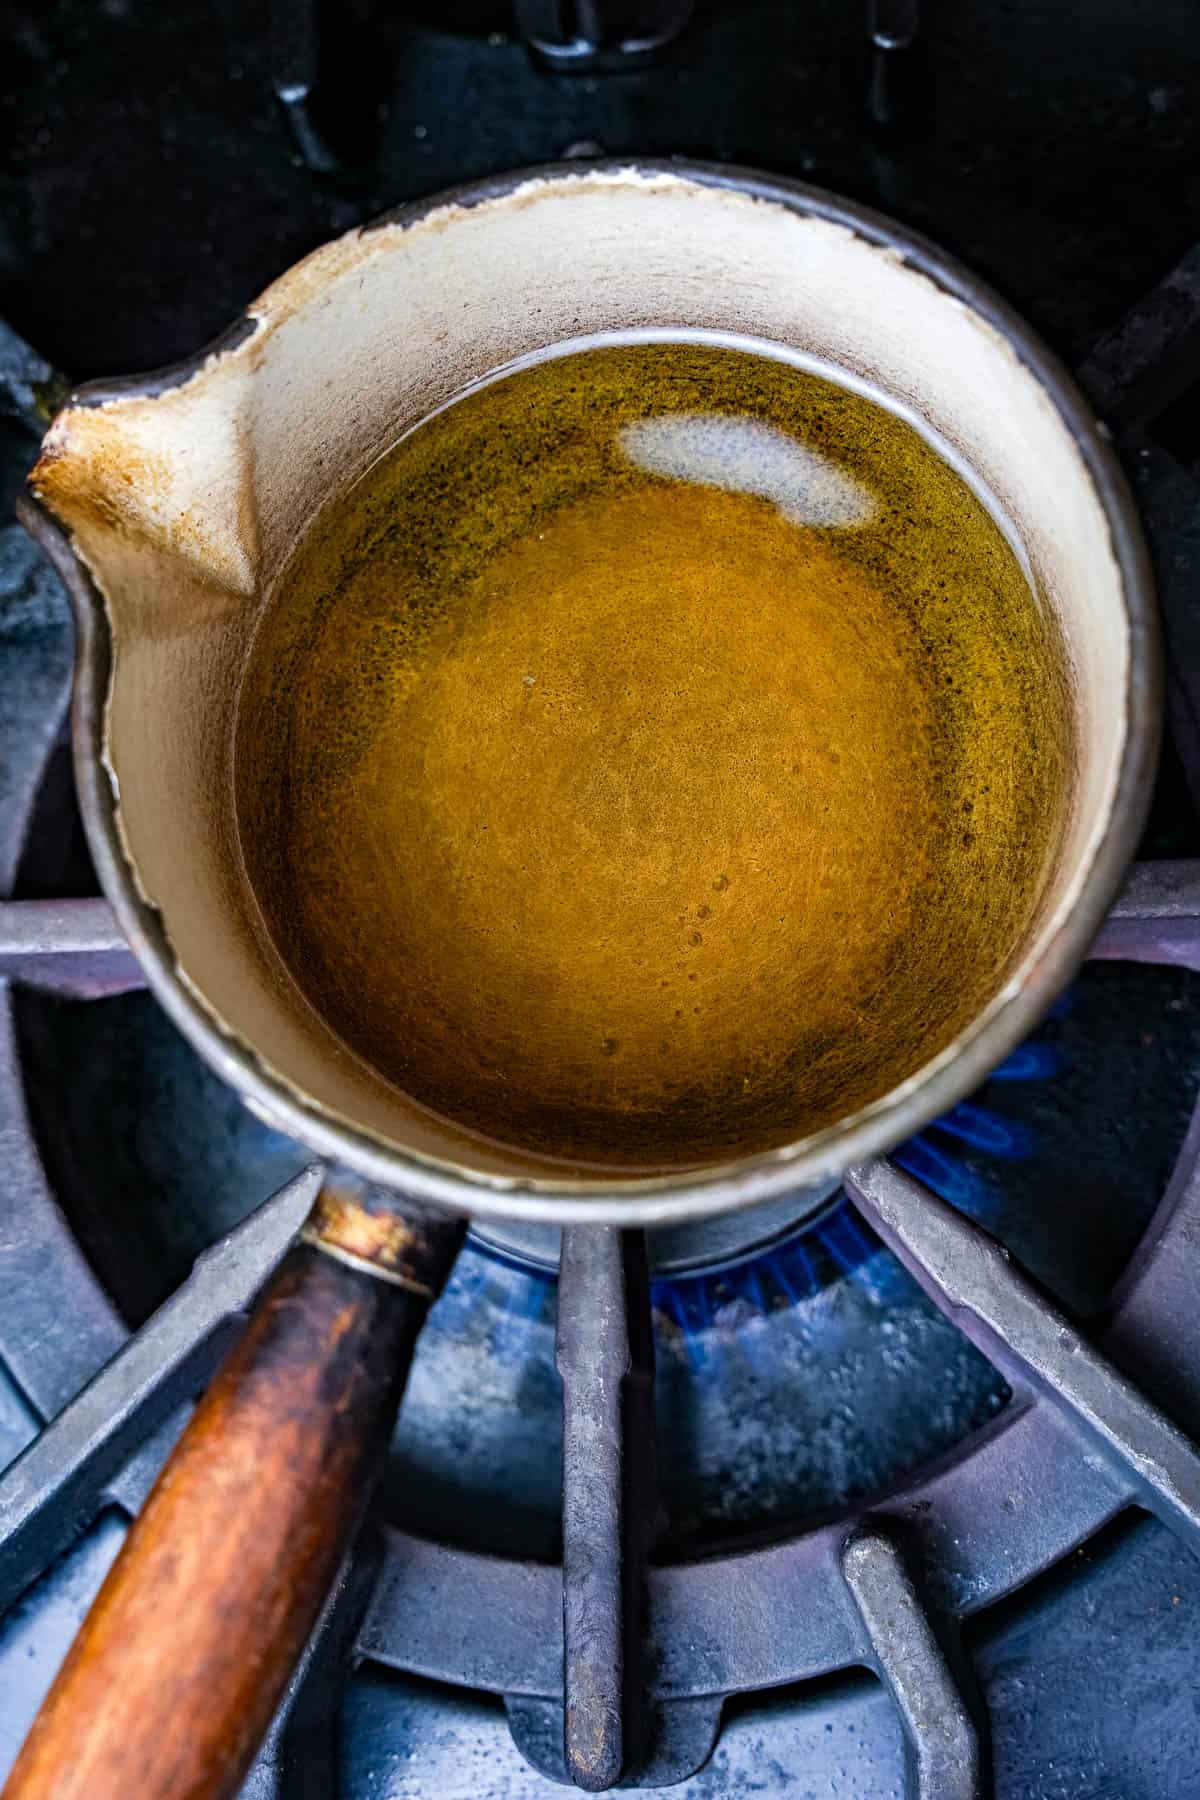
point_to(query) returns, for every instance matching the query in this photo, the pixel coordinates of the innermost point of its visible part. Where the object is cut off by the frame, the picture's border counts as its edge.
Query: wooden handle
(177, 1669)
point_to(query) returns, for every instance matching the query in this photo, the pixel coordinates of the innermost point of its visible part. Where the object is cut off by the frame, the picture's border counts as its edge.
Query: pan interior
(658, 754)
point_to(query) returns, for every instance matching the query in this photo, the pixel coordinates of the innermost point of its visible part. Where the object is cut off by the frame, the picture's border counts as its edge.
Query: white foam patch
(748, 456)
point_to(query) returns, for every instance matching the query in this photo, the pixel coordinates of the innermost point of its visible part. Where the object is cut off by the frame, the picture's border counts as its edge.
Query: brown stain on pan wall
(99, 479)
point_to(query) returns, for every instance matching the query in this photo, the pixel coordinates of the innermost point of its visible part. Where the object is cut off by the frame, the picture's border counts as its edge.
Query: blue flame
(1029, 1062)
(791, 1269)
(835, 1246)
(1008, 1139)
(953, 1180)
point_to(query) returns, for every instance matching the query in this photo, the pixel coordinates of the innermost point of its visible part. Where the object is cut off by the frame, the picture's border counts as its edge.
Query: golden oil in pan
(654, 757)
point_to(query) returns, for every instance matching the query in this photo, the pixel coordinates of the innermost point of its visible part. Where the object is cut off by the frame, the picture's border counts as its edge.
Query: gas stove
(876, 1515)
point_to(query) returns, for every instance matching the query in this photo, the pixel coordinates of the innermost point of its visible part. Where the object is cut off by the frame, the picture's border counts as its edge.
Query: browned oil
(654, 757)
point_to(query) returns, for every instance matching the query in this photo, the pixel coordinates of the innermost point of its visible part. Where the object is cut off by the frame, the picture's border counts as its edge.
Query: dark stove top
(149, 184)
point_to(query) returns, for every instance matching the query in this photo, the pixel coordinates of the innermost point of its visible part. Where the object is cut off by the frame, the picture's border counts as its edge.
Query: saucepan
(169, 504)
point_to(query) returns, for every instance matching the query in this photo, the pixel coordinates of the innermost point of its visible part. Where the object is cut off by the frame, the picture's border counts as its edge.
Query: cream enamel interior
(184, 507)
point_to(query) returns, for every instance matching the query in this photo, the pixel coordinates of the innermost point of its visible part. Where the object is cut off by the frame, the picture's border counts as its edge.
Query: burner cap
(706, 1244)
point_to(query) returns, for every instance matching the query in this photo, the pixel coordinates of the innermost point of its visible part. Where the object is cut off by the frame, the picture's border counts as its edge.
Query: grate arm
(603, 1355)
(944, 1751)
(57, 1484)
(1156, 918)
(974, 1281)
(72, 947)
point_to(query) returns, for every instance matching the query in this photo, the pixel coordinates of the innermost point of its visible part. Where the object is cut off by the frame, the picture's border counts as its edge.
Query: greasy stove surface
(149, 185)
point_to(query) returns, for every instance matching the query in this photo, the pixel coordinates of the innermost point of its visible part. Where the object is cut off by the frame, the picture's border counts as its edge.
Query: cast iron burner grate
(614, 1666)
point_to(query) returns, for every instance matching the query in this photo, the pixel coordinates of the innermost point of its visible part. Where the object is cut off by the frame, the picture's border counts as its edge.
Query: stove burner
(1031, 1447)
(707, 1245)
(801, 1220)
